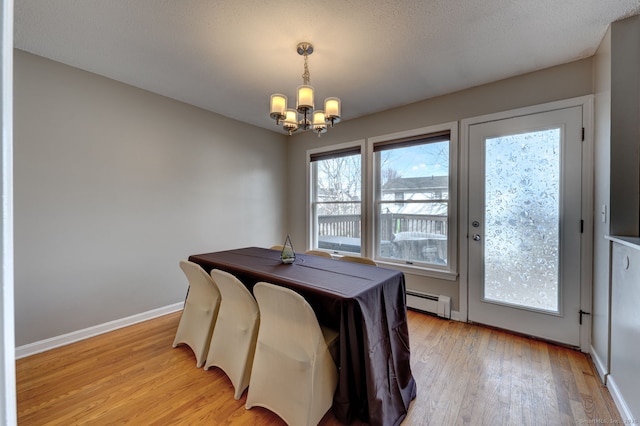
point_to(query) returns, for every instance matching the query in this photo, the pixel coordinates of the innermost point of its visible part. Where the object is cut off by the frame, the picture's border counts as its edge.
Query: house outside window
(412, 199)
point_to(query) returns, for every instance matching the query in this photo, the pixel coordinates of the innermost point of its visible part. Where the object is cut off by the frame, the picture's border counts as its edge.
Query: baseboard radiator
(430, 303)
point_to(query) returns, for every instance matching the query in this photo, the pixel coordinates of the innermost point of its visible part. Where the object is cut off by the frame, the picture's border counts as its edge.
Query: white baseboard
(75, 336)
(455, 315)
(601, 368)
(625, 412)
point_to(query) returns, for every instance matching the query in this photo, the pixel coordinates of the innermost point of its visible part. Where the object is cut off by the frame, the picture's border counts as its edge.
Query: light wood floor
(466, 374)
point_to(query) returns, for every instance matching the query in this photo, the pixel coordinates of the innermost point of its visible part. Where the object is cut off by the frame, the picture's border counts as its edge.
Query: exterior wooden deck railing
(390, 224)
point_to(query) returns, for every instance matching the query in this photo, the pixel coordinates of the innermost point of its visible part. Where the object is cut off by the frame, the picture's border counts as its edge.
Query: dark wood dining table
(366, 304)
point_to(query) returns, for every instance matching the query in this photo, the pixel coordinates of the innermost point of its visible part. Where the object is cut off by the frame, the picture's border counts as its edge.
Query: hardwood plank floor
(466, 374)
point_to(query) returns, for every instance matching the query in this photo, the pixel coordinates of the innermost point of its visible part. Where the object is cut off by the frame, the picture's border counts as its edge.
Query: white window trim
(360, 143)
(451, 272)
(368, 198)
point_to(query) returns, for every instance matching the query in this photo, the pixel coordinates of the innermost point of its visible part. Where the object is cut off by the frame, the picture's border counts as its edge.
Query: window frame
(449, 271)
(311, 242)
(369, 206)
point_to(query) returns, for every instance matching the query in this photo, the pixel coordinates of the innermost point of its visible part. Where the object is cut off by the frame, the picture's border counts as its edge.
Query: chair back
(199, 313)
(288, 322)
(293, 373)
(203, 292)
(358, 259)
(319, 253)
(233, 343)
(237, 299)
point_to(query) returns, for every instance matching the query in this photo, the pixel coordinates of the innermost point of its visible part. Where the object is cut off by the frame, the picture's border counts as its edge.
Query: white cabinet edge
(633, 242)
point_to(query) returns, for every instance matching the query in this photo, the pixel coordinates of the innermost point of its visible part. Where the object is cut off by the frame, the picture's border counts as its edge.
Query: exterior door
(525, 224)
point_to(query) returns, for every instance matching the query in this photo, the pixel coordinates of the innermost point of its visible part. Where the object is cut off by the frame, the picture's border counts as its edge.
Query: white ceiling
(228, 56)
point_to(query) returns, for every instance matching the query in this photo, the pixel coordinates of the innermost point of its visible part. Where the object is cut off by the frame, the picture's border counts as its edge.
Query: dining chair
(357, 259)
(234, 338)
(319, 253)
(199, 313)
(293, 372)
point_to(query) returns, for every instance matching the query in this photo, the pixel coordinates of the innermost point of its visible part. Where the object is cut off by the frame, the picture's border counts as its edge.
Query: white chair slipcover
(319, 253)
(293, 372)
(358, 259)
(234, 338)
(199, 313)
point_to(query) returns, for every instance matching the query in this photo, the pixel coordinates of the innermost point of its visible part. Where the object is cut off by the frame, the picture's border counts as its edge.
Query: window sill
(420, 270)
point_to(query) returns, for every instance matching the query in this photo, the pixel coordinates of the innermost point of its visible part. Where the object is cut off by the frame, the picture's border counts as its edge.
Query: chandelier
(304, 116)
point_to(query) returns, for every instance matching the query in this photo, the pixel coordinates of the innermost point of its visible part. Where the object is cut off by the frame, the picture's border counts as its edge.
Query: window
(412, 199)
(336, 204)
(399, 210)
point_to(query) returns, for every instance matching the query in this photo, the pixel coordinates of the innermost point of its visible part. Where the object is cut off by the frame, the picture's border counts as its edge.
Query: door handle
(476, 237)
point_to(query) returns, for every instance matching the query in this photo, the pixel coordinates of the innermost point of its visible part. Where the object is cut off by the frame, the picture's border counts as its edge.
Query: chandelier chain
(306, 76)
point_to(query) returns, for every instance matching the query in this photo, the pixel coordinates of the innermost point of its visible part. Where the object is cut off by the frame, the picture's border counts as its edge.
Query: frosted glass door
(525, 225)
(522, 218)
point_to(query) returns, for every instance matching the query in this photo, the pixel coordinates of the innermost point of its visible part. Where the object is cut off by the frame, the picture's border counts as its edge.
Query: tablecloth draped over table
(367, 304)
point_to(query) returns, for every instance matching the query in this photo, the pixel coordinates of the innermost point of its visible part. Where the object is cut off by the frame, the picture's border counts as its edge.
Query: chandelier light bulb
(319, 124)
(278, 107)
(332, 110)
(291, 121)
(305, 98)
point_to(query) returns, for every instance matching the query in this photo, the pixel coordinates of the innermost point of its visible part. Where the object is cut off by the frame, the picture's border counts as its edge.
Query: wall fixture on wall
(304, 116)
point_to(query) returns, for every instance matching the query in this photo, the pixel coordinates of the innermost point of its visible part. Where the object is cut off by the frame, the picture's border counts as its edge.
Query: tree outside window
(337, 201)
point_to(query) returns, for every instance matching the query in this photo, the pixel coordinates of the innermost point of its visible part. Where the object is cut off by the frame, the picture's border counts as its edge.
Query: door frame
(586, 244)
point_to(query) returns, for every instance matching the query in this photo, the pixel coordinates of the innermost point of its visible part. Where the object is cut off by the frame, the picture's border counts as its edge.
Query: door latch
(583, 313)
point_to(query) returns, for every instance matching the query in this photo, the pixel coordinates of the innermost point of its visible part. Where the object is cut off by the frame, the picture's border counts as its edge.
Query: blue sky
(421, 160)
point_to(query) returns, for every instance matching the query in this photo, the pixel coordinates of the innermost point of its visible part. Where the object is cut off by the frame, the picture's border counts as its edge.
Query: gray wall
(552, 84)
(625, 129)
(617, 166)
(625, 211)
(602, 169)
(114, 185)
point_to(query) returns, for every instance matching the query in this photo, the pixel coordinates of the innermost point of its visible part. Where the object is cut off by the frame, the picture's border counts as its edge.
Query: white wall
(562, 82)
(114, 185)
(7, 354)
(602, 169)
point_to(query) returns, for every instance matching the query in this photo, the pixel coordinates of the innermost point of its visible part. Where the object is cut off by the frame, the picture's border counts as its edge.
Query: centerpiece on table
(287, 255)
